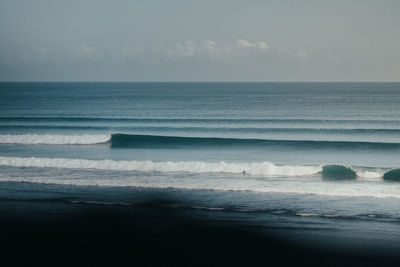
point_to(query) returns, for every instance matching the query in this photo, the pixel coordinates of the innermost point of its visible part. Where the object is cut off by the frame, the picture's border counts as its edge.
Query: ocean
(312, 163)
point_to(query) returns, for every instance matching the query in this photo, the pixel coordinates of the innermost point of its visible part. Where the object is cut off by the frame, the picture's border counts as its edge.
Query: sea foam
(258, 168)
(50, 139)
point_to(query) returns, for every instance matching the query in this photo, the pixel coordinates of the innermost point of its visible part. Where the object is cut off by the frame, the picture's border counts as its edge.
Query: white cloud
(202, 50)
(195, 50)
(210, 43)
(245, 43)
(262, 45)
(214, 50)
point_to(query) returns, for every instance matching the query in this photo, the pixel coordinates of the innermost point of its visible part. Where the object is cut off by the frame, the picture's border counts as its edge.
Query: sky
(205, 40)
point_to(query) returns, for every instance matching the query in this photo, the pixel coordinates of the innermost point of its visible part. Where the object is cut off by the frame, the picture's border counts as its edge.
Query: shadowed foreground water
(147, 235)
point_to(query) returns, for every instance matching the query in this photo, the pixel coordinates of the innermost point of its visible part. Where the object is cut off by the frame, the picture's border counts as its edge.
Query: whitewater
(51, 139)
(263, 177)
(267, 169)
(260, 169)
(315, 152)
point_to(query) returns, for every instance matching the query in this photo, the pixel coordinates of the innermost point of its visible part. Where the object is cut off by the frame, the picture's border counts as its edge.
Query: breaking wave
(51, 139)
(133, 140)
(258, 168)
(118, 140)
(265, 169)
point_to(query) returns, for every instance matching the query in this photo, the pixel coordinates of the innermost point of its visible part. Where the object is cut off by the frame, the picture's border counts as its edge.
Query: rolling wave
(393, 175)
(338, 172)
(265, 169)
(154, 141)
(258, 168)
(157, 141)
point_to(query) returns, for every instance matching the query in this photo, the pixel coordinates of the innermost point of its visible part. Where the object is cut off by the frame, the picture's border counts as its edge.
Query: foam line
(258, 168)
(50, 139)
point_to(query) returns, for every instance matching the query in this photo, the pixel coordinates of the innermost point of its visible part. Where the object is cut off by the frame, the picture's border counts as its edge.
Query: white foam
(369, 174)
(280, 186)
(164, 179)
(306, 214)
(258, 168)
(50, 139)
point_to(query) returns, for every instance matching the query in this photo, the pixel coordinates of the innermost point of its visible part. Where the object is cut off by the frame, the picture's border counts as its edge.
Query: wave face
(50, 139)
(258, 168)
(393, 175)
(133, 140)
(338, 172)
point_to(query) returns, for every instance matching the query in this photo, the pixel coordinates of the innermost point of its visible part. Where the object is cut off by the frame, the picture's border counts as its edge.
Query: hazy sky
(205, 40)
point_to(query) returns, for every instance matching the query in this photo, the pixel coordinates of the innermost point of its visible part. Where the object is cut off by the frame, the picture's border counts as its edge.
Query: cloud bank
(198, 50)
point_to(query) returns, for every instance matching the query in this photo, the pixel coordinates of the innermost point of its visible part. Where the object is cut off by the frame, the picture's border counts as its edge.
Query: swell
(154, 141)
(157, 141)
(194, 120)
(212, 129)
(393, 175)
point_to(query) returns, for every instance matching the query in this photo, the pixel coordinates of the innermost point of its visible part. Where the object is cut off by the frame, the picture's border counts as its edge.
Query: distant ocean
(320, 157)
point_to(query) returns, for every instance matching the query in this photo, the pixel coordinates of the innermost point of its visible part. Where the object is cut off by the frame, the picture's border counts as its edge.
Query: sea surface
(315, 161)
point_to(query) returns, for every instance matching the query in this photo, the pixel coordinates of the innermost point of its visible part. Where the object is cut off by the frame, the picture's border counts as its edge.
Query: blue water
(263, 153)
